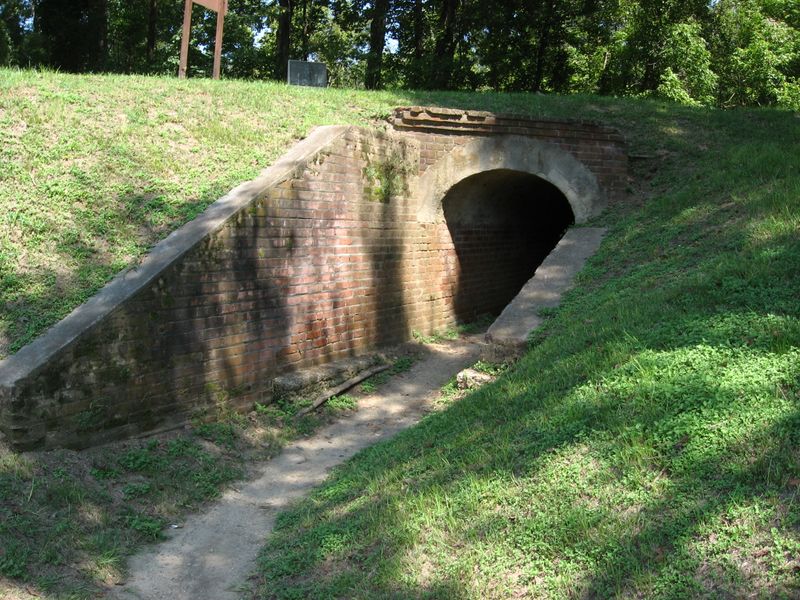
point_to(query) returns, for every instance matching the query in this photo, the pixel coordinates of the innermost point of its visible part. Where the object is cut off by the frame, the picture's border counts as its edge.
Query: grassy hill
(95, 169)
(648, 443)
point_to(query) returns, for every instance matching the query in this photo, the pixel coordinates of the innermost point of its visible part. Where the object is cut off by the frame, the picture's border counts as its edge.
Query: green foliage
(789, 95)
(450, 391)
(435, 337)
(490, 368)
(272, 413)
(184, 447)
(91, 418)
(220, 432)
(106, 473)
(148, 527)
(756, 69)
(368, 386)
(688, 78)
(728, 52)
(14, 560)
(757, 55)
(387, 179)
(141, 459)
(206, 481)
(672, 88)
(338, 41)
(343, 402)
(136, 490)
(5, 45)
(402, 364)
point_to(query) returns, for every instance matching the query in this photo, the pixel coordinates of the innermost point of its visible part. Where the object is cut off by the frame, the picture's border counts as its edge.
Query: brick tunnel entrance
(503, 224)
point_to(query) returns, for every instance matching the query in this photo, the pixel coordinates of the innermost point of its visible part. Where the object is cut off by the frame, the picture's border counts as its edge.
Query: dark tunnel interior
(503, 224)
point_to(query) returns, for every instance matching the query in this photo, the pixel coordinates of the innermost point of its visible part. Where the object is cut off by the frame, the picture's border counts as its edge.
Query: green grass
(95, 169)
(343, 402)
(69, 520)
(646, 445)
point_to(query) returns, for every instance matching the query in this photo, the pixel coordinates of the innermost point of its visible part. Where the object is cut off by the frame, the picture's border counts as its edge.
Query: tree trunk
(542, 46)
(284, 38)
(377, 40)
(416, 75)
(444, 51)
(419, 31)
(152, 20)
(306, 30)
(98, 30)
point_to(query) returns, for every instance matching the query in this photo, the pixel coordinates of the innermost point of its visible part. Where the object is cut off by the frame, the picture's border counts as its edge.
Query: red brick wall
(493, 265)
(326, 265)
(329, 264)
(438, 130)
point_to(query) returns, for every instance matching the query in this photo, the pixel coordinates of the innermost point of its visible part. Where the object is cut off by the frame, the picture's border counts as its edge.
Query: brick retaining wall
(322, 261)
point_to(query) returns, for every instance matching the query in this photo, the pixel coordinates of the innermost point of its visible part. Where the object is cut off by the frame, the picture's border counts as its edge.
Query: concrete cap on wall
(126, 284)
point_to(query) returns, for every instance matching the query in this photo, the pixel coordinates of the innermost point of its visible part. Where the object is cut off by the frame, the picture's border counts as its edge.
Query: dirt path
(215, 551)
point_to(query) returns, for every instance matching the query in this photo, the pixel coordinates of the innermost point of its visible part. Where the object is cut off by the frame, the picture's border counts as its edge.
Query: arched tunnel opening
(503, 224)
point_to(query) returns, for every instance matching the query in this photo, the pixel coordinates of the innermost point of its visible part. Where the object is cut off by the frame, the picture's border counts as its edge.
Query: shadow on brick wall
(502, 224)
(385, 237)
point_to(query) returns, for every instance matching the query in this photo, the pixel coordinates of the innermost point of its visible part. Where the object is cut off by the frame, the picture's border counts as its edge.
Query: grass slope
(69, 520)
(647, 445)
(96, 169)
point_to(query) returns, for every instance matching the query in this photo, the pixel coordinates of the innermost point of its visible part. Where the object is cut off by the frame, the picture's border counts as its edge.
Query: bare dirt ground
(213, 552)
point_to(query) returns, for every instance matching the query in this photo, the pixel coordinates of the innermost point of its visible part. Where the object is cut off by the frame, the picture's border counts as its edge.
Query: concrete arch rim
(514, 153)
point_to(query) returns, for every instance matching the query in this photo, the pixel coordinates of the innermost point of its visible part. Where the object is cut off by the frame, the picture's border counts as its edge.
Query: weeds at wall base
(68, 520)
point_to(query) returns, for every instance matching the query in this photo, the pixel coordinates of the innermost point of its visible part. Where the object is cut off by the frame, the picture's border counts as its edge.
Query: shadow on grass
(662, 554)
(647, 445)
(68, 520)
(413, 509)
(82, 260)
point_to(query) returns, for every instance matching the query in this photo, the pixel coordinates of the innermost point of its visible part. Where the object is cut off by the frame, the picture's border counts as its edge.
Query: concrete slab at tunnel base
(510, 332)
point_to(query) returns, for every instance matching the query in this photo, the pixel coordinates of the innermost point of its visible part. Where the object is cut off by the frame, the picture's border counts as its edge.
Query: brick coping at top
(473, 121)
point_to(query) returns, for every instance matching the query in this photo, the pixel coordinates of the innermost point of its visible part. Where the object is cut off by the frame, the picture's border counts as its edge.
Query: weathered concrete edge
(518, 153)
(127, 283)
(551, 280)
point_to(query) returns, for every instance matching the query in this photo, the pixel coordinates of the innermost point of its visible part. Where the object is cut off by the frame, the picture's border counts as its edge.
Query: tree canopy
(724, 53)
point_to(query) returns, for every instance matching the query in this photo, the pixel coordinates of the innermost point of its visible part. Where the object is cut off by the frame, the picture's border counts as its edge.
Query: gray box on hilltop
(313, 74)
